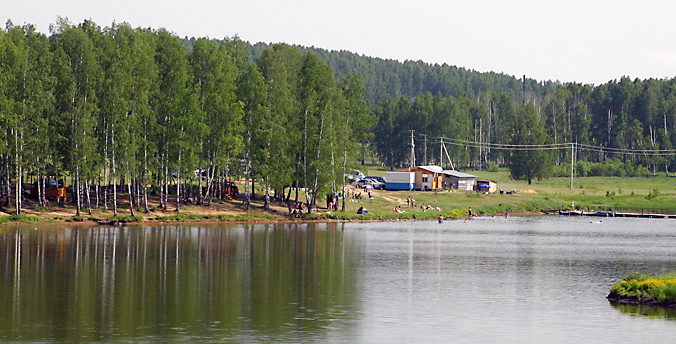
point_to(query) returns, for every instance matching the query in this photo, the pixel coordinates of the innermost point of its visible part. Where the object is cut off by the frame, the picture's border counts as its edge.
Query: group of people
(296, 208)
(429, 207)
(398, 210)
(410, 202)
(332, 202)
(357, 196)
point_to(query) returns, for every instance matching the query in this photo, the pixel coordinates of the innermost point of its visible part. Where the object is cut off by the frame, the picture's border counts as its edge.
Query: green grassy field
(589, 193)
(637, 194)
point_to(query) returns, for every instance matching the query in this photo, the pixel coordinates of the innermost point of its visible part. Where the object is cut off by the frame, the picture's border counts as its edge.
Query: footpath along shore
(385, 205)
(232, 212)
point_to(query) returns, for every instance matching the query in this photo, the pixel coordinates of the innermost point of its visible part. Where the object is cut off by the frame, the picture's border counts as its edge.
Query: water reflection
(175, 282)
(489, 280)
(647, 311)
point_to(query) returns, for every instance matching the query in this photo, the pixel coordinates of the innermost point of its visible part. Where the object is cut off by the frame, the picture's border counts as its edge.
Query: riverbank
(645, 289)
(591, 194)
(385, 206)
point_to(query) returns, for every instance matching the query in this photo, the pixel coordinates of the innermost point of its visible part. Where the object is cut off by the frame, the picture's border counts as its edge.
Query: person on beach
(470, 211)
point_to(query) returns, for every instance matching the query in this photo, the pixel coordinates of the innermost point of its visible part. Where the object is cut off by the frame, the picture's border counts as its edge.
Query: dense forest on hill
(147, 110)
(622, 119)
(384, 77)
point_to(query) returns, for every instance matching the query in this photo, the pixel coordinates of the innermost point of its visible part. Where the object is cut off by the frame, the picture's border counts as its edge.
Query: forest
(118, 106)
(626, 122)
(140, 111)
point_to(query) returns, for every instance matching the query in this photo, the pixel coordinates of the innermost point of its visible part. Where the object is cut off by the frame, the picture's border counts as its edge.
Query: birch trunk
(89, 201)
(178, 183)
(131, 197)
(77, 189)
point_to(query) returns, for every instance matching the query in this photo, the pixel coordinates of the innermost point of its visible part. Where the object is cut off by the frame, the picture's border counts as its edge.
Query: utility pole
(412, 150)
(441, 154)
(481, 142)
(524, 89)
(425, 150)
(450, 162)
(572, 163)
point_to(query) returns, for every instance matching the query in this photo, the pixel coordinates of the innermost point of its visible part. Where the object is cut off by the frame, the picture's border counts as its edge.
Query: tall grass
(646, 288)
(20, 218)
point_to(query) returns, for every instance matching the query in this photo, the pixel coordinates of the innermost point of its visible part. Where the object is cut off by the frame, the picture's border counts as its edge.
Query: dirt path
(393, 199)
(217, 207)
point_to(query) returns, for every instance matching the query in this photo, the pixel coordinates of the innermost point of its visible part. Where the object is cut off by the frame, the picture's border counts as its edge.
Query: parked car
(350, 178)
(354, 175)
(367, 181)
(378, 178)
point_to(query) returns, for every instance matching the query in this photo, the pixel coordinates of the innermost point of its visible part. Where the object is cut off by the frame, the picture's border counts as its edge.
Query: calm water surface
(491, 280)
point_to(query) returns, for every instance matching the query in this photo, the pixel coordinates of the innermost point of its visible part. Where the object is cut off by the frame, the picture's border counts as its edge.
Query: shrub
(653, 194)
(608, 168)
(644, 287)
(19, 218)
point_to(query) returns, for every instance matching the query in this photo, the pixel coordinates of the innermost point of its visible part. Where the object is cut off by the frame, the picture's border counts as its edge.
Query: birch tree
(76, 102)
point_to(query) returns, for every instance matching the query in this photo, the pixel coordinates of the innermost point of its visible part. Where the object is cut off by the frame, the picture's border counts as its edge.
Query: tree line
(631, 121)
(145, 109)
(122, 106)
(618, 118)
(386, 77)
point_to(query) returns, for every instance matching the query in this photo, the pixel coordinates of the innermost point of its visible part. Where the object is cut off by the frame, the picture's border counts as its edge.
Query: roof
(458, 174)
(435, 169)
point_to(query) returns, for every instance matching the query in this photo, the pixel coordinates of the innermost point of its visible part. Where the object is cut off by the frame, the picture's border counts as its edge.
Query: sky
(584, 41)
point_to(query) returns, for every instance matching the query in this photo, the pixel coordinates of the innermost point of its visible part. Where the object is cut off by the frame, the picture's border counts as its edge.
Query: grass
(644, 288)
(637, 194)
(21, 218)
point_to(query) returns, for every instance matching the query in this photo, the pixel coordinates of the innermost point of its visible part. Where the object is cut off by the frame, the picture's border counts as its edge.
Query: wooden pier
(612, 214)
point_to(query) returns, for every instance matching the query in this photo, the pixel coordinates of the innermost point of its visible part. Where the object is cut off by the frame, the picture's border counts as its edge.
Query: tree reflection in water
(175, 282)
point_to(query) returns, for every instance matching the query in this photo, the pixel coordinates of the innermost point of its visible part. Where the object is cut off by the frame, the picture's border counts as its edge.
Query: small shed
(459, 180)
(426, 177)
(52, 189)
(486, 186)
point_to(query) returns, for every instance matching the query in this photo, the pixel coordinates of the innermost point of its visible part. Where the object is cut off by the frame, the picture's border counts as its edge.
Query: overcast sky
(587, 41)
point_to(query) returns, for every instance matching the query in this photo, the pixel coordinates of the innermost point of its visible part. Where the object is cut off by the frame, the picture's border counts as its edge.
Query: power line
(556, 146)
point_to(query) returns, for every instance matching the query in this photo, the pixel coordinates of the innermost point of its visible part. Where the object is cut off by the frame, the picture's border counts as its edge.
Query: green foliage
(140, 105)
(126, 218)
(653, 194)
(608, 168)
(530, 164)
(645, 288)
(493, 167)
(20, 218)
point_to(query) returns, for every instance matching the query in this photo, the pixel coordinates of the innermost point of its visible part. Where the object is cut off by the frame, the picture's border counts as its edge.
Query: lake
(490, 280)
